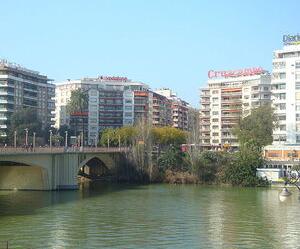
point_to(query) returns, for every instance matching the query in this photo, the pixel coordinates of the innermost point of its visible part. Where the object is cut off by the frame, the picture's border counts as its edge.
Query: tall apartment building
(230, 95)
(162, 110)
(112, 102)
(179, 109)
(21, 87)
(286, 94)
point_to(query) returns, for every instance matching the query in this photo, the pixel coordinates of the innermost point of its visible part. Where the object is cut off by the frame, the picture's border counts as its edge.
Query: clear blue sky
(165, 43)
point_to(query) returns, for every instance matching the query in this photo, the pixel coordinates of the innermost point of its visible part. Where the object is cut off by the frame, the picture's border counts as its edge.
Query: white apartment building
(286, 94)
(229, 95)
(111, 103)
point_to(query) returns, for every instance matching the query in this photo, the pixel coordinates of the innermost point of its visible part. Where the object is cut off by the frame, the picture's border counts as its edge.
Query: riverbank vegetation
(158, 156)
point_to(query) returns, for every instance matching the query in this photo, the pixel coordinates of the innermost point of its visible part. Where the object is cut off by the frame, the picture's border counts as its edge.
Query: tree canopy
(22, 119)
(128, 135)
(78, 101)
(257, 127)
(168, 136)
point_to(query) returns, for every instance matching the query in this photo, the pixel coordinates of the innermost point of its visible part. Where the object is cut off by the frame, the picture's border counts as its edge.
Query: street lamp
(33, 142)
(15, 139)
(50, 140)
(66, 139)
(26, 136)
(108, 141)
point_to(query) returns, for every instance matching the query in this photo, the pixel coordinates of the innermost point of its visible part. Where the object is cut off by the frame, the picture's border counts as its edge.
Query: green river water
(151, 216)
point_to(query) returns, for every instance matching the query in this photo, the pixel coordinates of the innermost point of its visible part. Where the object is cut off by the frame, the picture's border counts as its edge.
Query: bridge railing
(9, 150)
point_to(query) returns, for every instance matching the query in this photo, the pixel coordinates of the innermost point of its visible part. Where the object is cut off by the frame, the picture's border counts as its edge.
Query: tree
(172, 159)
(126, 135)
(22, 119)
(168, 136)
(257, 127)
(78, 103)
(109, 136)
(293, 176)
(242, 169)
(253, 132)
(193, 138)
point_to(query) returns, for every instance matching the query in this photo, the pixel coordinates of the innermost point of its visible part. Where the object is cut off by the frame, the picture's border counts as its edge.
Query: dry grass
(180, 177)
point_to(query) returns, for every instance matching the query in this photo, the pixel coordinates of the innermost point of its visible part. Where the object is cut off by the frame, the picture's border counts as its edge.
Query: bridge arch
(17, 174)
(94, 167)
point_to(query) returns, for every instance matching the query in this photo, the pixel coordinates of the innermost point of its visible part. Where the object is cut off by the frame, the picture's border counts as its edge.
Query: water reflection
(154, 216)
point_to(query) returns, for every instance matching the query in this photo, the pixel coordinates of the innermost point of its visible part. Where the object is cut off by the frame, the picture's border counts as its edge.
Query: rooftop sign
(291, 39)
(114, 78)
(235, 73)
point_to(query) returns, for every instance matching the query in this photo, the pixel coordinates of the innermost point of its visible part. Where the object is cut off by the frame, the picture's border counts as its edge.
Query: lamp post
(33, 142)
(50, 139)
(15, 139)
(66, 139)
(26, 136)
(107, 141)
(82, 140)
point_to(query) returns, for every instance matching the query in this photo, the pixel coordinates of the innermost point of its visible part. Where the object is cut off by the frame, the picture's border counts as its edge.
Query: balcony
(232, 100)
(231, 94)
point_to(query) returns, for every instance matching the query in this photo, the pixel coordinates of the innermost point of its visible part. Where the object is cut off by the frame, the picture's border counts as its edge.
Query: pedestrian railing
(22, 150)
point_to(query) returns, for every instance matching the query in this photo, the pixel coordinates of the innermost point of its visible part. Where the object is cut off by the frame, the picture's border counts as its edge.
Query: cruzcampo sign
(235, 73)
(291, 39)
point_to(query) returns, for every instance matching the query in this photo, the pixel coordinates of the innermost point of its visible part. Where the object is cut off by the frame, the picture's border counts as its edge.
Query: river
(151, 216)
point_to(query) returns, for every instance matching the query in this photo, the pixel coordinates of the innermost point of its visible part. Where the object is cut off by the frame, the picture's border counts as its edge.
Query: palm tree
(78, 103)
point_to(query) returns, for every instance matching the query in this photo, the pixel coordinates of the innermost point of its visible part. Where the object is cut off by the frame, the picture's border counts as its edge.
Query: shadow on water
(28, 202)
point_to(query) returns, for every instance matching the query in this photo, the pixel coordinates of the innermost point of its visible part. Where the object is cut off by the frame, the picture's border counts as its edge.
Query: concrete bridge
(54, 168)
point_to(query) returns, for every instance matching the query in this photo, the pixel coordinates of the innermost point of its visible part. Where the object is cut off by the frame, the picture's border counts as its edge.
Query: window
(215, 100)
(298, 139)
(297, 65)
(282, 96)
(215, 120)
(282, 106)
(297, 85)
(297, 76)
(282, 127)
(215, 141)
(281, 86)
(282, 75)
(282, 117)
(297, 116)
(298, 96)
(215, 127)
(215, 134)
(215, 91)
(266, 88)
(215, 113)
(298, 127)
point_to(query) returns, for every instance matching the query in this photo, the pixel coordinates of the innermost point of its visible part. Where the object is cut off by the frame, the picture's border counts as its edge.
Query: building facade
(229, 96)
(112, 102)
(179, 109)
(286, 94)
(21, 88)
